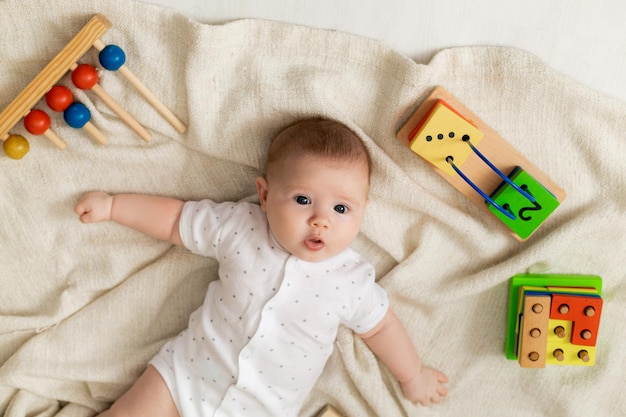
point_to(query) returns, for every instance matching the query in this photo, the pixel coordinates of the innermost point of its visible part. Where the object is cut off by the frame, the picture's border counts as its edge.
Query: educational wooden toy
(474, 159)
(60, 98)
(553, 319)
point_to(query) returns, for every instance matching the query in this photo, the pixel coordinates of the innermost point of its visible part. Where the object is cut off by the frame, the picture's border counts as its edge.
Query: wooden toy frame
(494, 147)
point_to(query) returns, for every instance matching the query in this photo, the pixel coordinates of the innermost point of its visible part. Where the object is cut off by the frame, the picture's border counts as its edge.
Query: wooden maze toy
(474, 159)
(553, 319)
(60, 98)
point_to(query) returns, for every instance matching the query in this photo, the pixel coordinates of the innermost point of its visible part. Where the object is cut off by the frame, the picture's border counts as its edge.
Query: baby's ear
(261, 187)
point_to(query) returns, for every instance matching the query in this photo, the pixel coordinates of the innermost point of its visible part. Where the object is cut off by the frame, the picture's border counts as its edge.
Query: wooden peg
(584, 355)
(559, 331)
(559, 355)
(95, 133)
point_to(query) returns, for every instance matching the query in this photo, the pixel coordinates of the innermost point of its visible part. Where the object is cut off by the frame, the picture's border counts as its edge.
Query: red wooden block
(583, 311)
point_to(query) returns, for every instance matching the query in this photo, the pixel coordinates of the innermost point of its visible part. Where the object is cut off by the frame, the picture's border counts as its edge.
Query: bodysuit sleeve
(201, 224)
(371, 307)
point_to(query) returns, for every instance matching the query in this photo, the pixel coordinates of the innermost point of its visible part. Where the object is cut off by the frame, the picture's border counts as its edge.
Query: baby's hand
(94, 207)
(426, 387)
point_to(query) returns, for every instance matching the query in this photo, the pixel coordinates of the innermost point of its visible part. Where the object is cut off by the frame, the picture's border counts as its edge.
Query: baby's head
(322, 138)
(316, 188)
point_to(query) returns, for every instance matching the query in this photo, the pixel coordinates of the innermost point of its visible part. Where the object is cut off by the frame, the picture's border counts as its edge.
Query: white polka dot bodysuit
(267, 327)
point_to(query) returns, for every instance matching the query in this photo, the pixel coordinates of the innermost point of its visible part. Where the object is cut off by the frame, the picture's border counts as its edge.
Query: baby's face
(314, 206)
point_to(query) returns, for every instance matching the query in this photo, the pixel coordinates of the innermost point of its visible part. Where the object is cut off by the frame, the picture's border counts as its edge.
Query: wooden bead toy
(60, 98)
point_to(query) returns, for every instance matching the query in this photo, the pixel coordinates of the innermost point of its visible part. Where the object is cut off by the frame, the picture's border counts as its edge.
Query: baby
(288, 279)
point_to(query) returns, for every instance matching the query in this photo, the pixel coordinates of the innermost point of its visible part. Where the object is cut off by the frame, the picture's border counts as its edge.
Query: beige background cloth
(84, 307)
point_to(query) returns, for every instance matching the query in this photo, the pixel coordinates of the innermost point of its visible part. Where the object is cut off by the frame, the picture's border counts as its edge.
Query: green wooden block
(528, 215)
(576, 284)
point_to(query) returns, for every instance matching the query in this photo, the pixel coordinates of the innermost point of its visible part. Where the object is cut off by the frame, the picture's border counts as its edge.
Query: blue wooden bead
(112, 57)
(77, 115)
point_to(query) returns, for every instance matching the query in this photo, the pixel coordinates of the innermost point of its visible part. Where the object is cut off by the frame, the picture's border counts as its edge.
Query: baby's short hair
(319, 137)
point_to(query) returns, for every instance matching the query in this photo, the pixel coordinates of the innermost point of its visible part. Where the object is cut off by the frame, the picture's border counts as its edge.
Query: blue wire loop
(497, 171)
(508, 214)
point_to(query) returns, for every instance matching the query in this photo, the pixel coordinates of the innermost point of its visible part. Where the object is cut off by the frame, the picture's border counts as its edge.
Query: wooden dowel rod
(55, 139)
(93, 131)
(153, 100)
(121, 112)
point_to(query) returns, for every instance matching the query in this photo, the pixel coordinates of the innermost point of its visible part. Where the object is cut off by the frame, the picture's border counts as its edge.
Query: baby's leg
(149, 397)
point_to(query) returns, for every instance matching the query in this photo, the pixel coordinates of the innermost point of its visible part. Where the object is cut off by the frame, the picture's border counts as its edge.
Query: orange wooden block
(534, 331)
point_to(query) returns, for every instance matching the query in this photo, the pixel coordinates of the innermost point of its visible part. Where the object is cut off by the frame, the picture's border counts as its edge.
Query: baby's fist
(94, 207)
(426, 387)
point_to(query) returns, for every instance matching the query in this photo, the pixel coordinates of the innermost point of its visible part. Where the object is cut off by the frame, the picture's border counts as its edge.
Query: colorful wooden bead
(77, 115)
(112, 57)
(59, 98)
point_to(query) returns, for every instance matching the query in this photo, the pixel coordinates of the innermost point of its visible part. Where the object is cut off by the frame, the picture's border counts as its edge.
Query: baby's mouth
(314, 243)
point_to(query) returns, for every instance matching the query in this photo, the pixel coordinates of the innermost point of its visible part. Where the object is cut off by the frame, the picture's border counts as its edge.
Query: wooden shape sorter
(60, 99)
(553, 319)
(480, 164)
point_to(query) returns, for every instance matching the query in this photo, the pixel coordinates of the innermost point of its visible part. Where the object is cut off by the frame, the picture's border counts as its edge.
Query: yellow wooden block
(440, 135)
(561, 351)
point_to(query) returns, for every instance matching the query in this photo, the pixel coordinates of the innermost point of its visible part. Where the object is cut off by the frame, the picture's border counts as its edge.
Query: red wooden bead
(59, 98)
(37, 122)
(84, 76)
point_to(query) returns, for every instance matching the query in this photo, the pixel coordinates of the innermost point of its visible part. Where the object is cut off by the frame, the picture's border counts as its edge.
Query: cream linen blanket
(84, 307)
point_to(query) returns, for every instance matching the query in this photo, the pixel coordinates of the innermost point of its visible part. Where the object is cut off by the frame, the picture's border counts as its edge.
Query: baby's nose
(319, 221)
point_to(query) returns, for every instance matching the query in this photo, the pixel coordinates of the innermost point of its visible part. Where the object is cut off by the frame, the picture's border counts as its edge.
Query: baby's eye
(341, 209)
(302, 200)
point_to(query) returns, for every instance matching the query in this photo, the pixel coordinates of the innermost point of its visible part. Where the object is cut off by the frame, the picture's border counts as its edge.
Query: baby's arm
(154, 216)
(392, 345)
